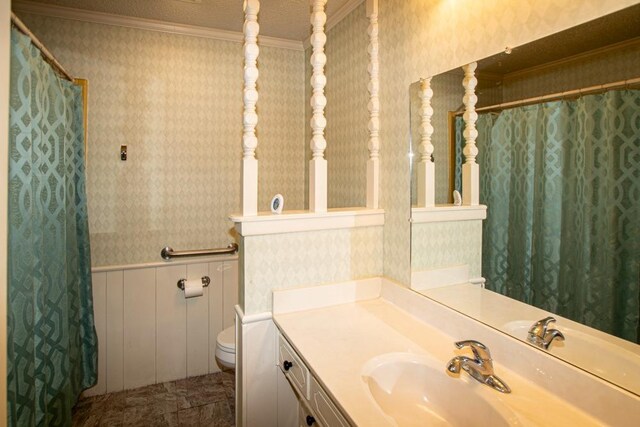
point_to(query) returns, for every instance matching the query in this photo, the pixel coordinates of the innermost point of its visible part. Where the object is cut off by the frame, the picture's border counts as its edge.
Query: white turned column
(318, 164)
(426, 166)
(250, 117)
(470, 169)
(373, 164)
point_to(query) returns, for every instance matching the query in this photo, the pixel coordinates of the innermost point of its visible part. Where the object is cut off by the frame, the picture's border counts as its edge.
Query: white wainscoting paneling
(198, 325)
(139, 301)
(171, 324)
(100, 319)
(149, 333)
(114, 342)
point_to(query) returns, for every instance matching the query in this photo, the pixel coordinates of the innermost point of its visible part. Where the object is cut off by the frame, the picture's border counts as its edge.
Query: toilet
(226, 348)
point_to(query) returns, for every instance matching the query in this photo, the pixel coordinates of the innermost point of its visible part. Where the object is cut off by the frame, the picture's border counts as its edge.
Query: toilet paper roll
(193, 288)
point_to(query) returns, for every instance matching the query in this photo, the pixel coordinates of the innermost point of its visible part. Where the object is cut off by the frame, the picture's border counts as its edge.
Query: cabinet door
(306, 418)
(293, 367)
(287, 403)
(323, 406)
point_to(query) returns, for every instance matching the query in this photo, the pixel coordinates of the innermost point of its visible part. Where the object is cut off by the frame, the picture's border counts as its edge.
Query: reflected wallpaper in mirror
(559, 157)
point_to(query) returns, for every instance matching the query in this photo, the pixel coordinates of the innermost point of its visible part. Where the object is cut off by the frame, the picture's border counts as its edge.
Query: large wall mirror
(558, 124)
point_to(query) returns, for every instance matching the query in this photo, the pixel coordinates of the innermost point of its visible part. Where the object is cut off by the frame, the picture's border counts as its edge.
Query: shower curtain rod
(560, 95)
(48, 56)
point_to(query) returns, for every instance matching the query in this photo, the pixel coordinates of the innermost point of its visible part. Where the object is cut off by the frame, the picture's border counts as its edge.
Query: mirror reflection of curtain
(562, 184)
(52, 344)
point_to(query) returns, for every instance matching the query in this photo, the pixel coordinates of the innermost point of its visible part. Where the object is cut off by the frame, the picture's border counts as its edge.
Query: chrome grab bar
(168, 253)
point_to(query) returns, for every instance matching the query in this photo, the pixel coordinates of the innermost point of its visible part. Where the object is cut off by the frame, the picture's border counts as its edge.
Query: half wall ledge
(296, 221)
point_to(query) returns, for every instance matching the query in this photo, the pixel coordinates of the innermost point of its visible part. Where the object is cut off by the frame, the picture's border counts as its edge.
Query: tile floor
(198, 401)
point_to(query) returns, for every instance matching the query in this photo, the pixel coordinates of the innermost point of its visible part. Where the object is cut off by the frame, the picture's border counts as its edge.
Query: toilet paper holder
(205, 282)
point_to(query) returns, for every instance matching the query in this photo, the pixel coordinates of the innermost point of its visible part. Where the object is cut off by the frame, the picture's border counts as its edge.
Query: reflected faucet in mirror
(480, 367)
(541, 335)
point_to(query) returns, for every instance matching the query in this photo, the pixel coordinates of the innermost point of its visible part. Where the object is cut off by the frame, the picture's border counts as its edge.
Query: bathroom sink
(603, 357)
(413, 390)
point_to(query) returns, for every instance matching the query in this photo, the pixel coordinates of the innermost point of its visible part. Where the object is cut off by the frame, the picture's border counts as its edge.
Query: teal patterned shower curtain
(562, 184)
(52, 344)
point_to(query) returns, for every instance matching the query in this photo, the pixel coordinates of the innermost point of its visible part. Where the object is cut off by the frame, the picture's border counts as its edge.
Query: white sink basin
(412, 390)
(604, 358)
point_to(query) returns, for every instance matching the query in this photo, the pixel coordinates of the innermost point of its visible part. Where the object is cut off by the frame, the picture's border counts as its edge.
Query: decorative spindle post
(318, 164)
(373, 164)
(426, 166)
(251, 29)
(470, 169)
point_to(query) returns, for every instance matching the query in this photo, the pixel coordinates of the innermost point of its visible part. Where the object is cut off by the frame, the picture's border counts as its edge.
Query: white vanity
(316, 406)
(372, 352)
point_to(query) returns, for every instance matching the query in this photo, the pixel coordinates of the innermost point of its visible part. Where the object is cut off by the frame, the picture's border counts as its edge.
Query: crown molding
(35, 8)
(334, 19)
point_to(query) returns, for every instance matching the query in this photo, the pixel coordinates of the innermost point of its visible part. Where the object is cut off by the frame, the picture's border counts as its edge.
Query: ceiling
(288, 19)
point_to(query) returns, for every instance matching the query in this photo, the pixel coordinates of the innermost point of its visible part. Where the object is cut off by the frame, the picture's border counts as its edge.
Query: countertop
(336, 342)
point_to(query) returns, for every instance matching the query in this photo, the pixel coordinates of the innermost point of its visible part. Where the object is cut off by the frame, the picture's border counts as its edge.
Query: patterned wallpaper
(419, 38)
(462, 239)
(347, 114)
(289, 260)
(346, 111)
(176, 101)
(281, 127)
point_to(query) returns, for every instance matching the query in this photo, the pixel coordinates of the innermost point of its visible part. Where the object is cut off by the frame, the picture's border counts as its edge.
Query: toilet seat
(227, 339)
(226, 348)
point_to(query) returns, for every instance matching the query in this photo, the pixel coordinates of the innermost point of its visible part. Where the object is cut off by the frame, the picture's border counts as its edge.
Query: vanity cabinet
(316, 407)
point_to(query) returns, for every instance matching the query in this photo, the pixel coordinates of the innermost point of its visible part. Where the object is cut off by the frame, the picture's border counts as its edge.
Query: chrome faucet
(480, 367)
(541, 335)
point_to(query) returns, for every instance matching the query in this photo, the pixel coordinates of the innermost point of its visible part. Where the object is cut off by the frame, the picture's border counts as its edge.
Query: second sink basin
(412, 390)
